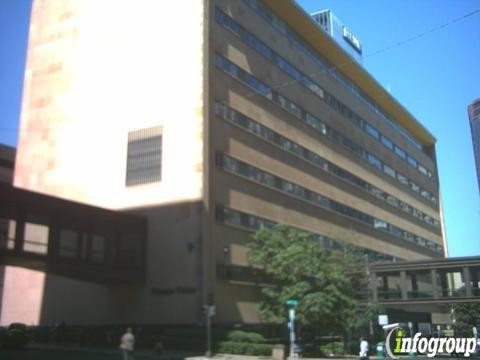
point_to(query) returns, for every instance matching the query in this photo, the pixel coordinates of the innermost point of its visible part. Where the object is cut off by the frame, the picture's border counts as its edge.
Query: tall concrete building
(212, 120)
(474, 116)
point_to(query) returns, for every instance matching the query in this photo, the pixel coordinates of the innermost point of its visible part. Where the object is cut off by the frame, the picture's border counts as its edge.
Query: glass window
(68, 243)
(404, 207)
(380, 224)
(417, 214)
(396, 231)
(412, 161)
(387, 142)
(36, 238)
(371, 130)
(230, 164)
(400, 152)
(294, 109)
(422, 169)
(402, 179)
(389, 171)
(392, 200)
(257, 85)
(425, 194)
(323, 129)
(374, 161)
(414, 187)
(313, 87)
(287, 67)
(97, 250)
(312, 121)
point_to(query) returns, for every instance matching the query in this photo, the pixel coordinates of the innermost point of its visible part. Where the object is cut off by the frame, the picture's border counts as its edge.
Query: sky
(435, 76)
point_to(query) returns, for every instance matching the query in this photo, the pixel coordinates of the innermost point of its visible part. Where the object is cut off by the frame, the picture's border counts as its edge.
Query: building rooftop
(306, 27)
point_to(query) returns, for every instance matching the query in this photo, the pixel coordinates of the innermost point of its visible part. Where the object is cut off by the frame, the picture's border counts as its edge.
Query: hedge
(243, 348)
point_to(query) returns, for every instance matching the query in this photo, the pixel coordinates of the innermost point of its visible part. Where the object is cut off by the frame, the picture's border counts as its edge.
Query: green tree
(298, 267)
(466, 315)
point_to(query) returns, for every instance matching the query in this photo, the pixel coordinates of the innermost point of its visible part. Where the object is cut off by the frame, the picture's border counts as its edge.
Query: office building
(474, 117)
(207, 121)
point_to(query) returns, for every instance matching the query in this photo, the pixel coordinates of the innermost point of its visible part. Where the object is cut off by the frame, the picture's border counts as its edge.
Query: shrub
(258, 350)
(242, 348)
(245, 337)
(330, 347)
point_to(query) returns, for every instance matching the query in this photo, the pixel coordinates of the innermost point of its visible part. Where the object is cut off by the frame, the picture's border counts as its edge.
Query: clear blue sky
(435, 77)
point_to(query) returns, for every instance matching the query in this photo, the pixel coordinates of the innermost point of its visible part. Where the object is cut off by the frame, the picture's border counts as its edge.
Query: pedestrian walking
(363, 349)
(127, 344)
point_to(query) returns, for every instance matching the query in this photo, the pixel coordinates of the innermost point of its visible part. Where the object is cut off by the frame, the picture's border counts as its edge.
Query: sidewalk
(168, 355)
(139, 354)
(176, 355)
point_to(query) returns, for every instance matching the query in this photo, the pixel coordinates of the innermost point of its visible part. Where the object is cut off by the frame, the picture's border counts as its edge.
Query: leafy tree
(298, 267)
(466, 315)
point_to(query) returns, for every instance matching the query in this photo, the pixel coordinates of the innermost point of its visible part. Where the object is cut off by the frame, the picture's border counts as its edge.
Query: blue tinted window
(400, 152)
(374, 161)
(387, 142)
(371, 130)
(412, 161)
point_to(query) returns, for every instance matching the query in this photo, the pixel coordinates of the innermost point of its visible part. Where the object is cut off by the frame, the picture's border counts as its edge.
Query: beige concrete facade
(91, 79)
(94, 73)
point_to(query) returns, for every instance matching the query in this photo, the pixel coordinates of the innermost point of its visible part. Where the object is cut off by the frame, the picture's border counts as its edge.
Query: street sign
(292, 302)
(210, 310)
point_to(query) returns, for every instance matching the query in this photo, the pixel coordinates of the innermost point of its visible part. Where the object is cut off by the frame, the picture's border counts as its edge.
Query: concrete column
(19, 232)
(433, 273)
(53, 240)
(403, 284)
(468, 282)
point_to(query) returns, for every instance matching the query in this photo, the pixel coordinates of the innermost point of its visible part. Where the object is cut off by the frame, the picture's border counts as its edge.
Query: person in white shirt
(127, 344)
(363, 349)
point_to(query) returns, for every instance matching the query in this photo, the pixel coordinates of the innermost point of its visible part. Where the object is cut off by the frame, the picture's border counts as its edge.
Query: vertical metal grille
(144, 156)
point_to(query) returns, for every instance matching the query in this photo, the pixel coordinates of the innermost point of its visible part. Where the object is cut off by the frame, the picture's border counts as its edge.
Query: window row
(126, 249)
(241, 168)
(233, 217)
(328, 98)
(328, 69)
(239, 74)
(290, 146)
